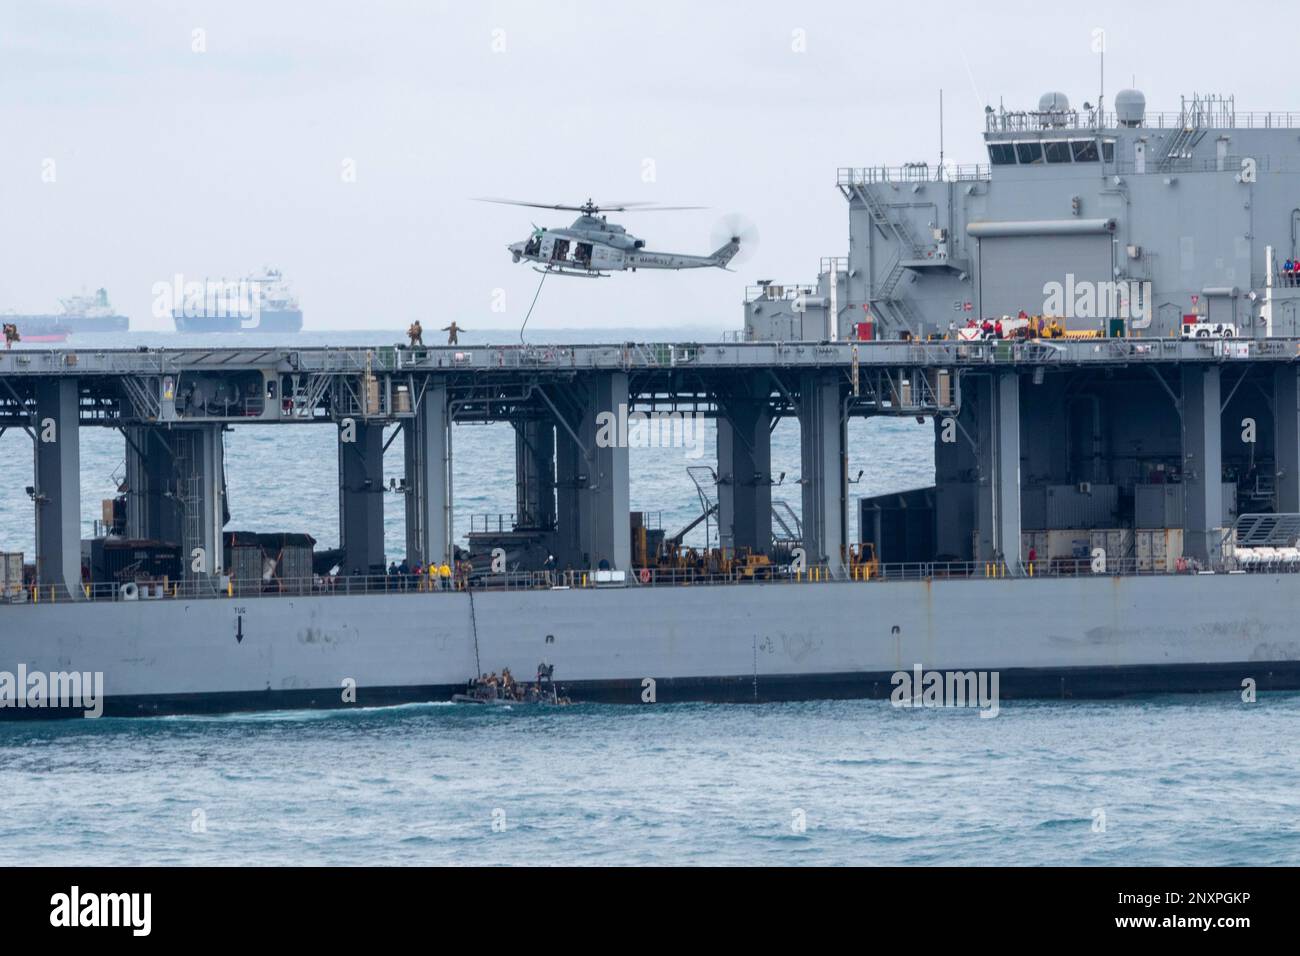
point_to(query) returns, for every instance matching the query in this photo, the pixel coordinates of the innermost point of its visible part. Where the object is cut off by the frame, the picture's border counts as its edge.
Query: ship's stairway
(895, 226)
(786, 527)
(886, 287)
(898, 313)
(305, 393)
(889, 224)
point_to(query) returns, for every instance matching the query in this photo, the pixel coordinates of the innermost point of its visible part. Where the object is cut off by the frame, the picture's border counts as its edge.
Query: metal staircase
(882, 298)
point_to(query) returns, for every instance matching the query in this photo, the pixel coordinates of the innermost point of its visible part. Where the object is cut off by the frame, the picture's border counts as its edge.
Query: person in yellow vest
(433, 576)
(444, 572)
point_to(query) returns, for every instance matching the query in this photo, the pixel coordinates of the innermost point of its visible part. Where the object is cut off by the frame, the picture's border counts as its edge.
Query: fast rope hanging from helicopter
(545, 273)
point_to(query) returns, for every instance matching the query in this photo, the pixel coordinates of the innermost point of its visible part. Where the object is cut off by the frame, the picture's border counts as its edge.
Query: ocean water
(1163, 781)
(1160, 780)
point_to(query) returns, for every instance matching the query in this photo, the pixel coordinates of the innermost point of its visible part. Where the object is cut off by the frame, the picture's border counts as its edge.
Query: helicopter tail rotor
(736, 237)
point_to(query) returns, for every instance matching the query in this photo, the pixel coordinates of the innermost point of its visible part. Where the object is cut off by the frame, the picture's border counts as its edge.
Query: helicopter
(593, 247)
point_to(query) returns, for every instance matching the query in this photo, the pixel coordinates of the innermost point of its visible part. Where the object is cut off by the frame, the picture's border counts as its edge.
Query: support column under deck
(198, 488)
(1007, 473)
(745, 475)
(592, 477)
(955, 462)
(1286, 438)
(535, 474)
(361, 497)
(822, 447)
(606, 509)
(1202, 463)
(58, 486)
(428, 508)
(570, 478)
(997, 507)
(153, 510)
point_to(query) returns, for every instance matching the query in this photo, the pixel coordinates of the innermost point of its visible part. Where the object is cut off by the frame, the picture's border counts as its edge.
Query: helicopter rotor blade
(590, 207)
(535, 205)
(645, 207)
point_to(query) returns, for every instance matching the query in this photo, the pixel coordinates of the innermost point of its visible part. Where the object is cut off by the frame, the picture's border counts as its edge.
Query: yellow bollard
(36, 594)
(584, 579)
(230, 588)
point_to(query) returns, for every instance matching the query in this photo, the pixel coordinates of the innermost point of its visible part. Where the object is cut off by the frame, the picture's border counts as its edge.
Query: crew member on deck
(416, 334)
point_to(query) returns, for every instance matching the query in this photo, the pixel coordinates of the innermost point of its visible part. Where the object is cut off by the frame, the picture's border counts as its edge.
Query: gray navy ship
(1098, 322)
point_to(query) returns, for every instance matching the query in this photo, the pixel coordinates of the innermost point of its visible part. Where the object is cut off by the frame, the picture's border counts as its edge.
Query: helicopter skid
(581, 273)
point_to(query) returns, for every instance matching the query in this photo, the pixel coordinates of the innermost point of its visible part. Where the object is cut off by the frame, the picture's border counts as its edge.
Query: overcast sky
(207, 163)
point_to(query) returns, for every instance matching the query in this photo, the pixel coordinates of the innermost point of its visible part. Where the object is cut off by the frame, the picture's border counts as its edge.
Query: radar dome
(1053, 103)
(1130, 107)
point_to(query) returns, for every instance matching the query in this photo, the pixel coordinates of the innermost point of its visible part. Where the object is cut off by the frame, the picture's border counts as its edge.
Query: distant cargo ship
(81, 313)
(265, 304)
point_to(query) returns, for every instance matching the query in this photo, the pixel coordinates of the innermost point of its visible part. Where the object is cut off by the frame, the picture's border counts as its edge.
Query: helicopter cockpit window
(532, 246)
(1002, 154)
(1029, 153)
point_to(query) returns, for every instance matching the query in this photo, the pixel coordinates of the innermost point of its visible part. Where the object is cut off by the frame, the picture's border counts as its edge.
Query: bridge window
(1085, 150)
(1002, 154)
(1057, 152)
(1108, 151)
(1029, 153)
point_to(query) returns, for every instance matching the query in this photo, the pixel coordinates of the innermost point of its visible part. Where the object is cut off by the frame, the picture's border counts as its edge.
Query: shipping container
(1158, 549)
(1038, 540)
(1082, 506)
(402, 399)
(1161, 506)
(128, 560)
(11, 574)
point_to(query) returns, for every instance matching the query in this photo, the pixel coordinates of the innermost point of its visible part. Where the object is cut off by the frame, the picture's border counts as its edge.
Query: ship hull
(1045, 637)
(285, 320)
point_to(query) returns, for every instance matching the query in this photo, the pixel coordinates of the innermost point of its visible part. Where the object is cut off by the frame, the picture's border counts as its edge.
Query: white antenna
(1101, 92)
(940, 132)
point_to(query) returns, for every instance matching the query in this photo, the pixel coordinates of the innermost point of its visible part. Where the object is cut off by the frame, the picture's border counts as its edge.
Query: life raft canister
(645, 575)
